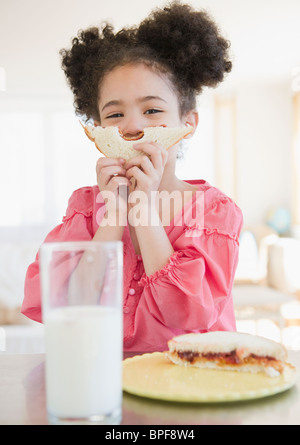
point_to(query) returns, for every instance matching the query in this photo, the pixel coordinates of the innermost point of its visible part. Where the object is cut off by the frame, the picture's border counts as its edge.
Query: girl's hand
(146, 171)
(113, 184)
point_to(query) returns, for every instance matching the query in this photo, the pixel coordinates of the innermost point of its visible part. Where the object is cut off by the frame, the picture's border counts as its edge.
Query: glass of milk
(82, 291)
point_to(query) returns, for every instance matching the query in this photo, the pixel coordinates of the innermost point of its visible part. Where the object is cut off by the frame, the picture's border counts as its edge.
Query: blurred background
(247, 143)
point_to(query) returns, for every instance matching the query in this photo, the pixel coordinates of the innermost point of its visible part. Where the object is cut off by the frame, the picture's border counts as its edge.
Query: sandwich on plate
(232, 351)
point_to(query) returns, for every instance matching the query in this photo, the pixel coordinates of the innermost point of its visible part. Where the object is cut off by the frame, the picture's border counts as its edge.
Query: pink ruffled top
(191, 293)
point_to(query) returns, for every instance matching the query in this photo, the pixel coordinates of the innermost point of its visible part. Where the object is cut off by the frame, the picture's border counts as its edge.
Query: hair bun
(184, 43)
(189, 42)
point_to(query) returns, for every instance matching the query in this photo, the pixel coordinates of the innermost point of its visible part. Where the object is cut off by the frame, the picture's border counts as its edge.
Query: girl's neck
(169, 181)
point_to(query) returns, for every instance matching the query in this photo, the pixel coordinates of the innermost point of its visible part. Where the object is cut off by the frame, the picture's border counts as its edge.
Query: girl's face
(133, 97)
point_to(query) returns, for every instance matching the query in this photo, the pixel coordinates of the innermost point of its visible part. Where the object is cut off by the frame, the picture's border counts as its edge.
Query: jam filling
(223, 357)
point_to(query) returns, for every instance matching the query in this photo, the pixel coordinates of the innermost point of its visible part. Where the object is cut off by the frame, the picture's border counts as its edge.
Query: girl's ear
(97, 123)
(192, 119)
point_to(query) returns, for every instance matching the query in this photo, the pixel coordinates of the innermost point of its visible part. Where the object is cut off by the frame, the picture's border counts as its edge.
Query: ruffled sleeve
(193, 291)
(76, 226)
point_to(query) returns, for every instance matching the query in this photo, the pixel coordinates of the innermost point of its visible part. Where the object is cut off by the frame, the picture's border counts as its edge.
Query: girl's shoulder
(211, 195)
(217, 211)
(82, 201)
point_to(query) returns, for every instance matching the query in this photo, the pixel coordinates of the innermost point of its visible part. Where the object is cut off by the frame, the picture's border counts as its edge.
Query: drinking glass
(82, 295)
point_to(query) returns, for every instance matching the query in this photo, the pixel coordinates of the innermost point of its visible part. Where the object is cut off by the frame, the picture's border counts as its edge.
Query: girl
(178, 272)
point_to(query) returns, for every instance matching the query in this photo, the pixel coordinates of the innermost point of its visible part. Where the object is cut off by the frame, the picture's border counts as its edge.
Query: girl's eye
(153, 111)
(114, 116)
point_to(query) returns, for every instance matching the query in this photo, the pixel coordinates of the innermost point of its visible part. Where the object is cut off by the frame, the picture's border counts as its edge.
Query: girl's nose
(132, 128)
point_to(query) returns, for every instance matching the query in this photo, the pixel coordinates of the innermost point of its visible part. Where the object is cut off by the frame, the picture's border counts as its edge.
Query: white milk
(83, 361)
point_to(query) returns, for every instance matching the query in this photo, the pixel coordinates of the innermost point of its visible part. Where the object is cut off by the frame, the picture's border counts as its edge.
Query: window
(44, 156)
(21, 168)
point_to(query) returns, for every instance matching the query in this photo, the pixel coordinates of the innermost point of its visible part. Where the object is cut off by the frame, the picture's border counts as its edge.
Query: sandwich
(113, 144)
(232, 351)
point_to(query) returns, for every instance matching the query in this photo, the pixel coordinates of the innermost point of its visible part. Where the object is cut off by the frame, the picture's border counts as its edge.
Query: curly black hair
(178, 41)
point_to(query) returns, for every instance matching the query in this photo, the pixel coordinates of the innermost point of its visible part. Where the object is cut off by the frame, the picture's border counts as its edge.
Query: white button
(126, 309)
(136, 276)
(131, 291)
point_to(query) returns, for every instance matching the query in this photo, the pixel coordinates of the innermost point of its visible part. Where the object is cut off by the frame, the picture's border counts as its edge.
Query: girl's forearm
(154, 244)
(86, 273)
(111, 230)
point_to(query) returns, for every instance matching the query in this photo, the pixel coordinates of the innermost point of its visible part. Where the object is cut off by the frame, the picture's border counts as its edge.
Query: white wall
(264, 149)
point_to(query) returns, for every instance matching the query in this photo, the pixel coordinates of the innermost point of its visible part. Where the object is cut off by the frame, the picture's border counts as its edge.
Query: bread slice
(112, 144)
(233, 351)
